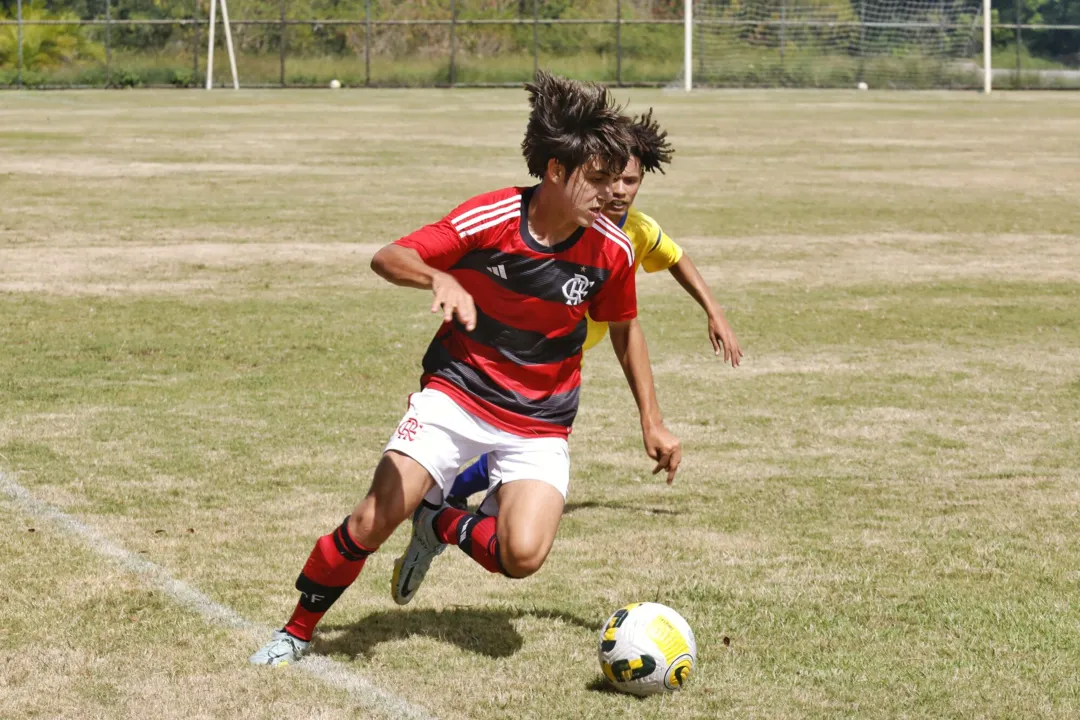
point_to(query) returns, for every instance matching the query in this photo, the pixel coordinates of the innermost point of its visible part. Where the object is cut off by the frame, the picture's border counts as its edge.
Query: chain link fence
(462, 43)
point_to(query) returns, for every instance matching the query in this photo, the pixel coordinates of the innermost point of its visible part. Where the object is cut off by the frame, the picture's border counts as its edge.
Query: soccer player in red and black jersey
(513, 273)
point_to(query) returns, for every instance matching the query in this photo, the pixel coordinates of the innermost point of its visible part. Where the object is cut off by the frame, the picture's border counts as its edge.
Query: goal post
(836, 43)
(688, 45)
(988, 67)
(228, 45)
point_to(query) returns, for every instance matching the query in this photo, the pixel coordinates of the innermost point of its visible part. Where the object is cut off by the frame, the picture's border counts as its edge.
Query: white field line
(334, 673)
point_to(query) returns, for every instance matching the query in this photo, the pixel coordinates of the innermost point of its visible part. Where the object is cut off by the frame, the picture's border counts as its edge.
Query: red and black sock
(333, 565)
(474, 534)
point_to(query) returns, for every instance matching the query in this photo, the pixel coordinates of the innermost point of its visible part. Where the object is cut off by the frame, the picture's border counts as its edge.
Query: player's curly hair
(574, 122)
(651, 145)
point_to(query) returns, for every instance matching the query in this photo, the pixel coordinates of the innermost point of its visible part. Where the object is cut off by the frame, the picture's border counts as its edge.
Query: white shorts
(441, 435)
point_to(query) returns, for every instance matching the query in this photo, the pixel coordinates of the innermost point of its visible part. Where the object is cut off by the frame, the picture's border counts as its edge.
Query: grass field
(877, 514)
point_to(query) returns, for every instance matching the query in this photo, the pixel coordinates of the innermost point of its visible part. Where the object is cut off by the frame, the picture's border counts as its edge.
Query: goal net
(837, 43)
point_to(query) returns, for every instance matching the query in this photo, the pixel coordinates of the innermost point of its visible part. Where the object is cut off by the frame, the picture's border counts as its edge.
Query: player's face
(624, 190)
(588, 189)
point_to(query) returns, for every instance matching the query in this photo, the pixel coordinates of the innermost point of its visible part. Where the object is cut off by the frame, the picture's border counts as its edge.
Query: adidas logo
(497, 270)
(464, 528)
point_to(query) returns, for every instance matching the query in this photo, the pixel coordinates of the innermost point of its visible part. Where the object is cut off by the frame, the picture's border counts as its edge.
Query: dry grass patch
(808, 262)
(176, 268)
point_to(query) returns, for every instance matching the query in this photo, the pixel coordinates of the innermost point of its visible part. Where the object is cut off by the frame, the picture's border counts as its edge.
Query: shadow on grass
(573, 507)
(483, 631)
(618, 506)
(601, 685)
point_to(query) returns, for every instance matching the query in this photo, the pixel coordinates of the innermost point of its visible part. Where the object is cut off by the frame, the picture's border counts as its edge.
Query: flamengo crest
(576, 288)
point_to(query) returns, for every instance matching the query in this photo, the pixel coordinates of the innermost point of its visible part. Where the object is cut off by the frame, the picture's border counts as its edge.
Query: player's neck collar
(530, 241)
(622, 220)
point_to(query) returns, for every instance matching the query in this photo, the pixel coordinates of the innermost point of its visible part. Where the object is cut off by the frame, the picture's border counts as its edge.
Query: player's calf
(478, 537)
(474, 534)
(333, 565)
(339, 556)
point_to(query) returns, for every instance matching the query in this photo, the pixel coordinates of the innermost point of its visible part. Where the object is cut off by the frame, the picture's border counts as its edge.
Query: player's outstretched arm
(628, 339)
(721, 335)
(404, 266)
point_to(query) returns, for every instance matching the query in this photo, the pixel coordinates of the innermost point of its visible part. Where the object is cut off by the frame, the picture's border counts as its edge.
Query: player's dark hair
(573, 122)
(651, 146)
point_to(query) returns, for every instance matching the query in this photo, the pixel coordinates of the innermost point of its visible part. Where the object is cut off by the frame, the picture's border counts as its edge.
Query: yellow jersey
(654, 250)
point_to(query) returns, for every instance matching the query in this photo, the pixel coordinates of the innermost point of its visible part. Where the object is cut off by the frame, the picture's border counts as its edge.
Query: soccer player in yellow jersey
(654, 250)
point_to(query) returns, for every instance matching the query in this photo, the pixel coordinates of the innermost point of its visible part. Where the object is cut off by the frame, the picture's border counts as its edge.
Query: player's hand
(723, 339)
(664, 448)
(453, 301)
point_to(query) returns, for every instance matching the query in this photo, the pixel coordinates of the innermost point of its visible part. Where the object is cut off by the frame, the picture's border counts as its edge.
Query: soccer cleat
(282, 649)
(410, 568)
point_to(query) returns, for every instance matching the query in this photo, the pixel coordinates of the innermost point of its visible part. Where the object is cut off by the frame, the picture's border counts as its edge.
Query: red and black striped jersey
(520, 369)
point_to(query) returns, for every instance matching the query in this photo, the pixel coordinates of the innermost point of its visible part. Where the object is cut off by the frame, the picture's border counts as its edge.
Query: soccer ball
(647, 648)
(863, 86)
(335, 84)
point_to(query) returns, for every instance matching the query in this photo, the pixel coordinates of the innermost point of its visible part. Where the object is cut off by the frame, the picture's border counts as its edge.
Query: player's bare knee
(521, 562)
(520, 569)
(371, 524)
